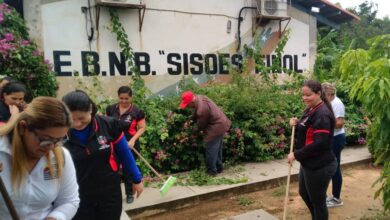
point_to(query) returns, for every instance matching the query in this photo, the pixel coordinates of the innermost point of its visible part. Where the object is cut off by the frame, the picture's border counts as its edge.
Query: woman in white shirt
(37, 171)
(339, 141)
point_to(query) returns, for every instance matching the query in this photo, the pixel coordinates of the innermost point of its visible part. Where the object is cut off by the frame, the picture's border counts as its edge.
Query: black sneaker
(129, 199)
(213, 174)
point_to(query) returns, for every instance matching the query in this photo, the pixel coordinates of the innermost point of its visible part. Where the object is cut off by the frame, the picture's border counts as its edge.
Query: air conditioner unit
(119, 2)
(276, 8)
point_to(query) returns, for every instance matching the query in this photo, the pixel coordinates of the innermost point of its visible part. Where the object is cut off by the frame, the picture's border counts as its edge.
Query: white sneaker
(329, 198)
(334, 202)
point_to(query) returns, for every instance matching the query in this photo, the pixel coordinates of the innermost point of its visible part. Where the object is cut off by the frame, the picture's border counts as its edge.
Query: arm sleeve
(140, 115)
(127, 160)
(202, 117)
(321, 135)
(339, 110)
(67, 201)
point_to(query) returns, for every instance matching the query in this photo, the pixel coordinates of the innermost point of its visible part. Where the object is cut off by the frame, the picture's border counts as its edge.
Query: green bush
(258, 107)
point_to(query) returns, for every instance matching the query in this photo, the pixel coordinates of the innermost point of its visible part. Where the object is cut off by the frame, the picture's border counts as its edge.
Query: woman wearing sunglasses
(38, 172)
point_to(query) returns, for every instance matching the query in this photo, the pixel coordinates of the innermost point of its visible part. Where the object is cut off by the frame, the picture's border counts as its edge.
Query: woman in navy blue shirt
(93, 141)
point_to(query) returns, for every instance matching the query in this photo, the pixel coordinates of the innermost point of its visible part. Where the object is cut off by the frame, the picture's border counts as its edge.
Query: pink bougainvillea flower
(25, 42)
(36, 53)
(1, 17)
(5, 8)
(5, 48)
(9, 37)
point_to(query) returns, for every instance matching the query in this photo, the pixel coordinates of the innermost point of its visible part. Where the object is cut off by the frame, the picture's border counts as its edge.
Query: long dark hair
(78, 100)
(12, 87)
(316, 87)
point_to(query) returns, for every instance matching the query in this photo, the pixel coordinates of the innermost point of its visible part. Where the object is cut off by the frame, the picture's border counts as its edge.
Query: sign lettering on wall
(177, 63)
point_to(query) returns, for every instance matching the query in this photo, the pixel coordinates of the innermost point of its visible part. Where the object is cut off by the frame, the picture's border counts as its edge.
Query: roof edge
(341, 9)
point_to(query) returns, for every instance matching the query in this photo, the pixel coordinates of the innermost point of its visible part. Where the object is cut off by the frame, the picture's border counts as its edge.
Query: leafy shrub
(20, 58)
(367, 75)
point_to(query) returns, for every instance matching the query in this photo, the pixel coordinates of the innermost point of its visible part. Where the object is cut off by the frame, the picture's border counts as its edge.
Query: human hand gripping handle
(293, 123)
(138, 188)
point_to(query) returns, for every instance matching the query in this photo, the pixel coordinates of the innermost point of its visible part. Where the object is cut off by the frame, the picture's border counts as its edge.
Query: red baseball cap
(186, 98)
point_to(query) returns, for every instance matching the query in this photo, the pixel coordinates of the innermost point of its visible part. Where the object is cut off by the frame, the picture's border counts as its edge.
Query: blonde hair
(329, 88)
(41, 113)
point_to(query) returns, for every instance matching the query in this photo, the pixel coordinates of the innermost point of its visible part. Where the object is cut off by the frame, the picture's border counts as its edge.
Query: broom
(8, 201)
(289, 174)
(168, 183)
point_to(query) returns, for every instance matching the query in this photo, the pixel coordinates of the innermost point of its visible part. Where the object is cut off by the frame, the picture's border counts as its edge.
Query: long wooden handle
(8, 201)
(147, 164)
(288, 175)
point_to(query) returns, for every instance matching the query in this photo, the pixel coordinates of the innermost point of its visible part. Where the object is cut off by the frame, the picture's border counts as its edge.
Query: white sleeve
(339, 110)
(67, 201)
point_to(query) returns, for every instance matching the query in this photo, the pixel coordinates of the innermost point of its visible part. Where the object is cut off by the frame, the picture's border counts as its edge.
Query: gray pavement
(253, 215)
(260, 176)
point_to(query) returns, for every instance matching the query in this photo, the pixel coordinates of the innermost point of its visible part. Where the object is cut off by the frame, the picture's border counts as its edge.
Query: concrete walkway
(260, 176)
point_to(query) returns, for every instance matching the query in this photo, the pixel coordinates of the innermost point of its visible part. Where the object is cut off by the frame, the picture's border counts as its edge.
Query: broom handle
(289, 174)
(8, 201)
(147, 164)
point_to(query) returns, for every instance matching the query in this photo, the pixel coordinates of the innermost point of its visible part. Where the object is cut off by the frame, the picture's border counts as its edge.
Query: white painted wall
(172, 26)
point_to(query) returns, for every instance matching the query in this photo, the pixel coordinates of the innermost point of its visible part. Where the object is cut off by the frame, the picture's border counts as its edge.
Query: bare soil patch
(357, 194)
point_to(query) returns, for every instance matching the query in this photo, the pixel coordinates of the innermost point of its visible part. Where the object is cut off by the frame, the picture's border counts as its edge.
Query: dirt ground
(357, 194)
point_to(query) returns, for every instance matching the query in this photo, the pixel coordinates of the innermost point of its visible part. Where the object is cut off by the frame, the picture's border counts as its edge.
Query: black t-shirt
(5, 114)
(128, 119)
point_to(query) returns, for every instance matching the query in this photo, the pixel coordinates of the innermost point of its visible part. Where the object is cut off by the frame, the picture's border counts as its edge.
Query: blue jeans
(339, 142)
(214, 155)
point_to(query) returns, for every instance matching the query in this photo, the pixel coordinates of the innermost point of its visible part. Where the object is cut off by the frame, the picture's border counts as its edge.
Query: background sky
(383, 5)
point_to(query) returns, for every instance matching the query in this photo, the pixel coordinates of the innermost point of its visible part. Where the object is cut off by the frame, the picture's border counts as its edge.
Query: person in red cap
(213, 123)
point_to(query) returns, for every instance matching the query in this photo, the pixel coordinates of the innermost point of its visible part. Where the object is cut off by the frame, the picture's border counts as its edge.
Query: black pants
(106, 204)
(312, 188)
(337, 179)
(214, 155)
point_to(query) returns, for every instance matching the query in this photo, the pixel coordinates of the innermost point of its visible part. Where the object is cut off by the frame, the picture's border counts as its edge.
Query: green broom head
(167, 185)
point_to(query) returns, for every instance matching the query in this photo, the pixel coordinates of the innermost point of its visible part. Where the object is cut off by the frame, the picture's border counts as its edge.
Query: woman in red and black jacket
(314, 149)
(93, 142)
(133, 125)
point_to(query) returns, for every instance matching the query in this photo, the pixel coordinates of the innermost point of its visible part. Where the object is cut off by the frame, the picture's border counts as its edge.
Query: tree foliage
(367, 73)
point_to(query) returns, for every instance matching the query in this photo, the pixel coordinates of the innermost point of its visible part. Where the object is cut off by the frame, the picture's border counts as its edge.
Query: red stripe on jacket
(310, 134)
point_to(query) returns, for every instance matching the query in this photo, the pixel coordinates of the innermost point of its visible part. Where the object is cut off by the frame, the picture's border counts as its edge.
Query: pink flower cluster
(160, 155)
(360, 141)
(238, 133)
(6, 45)
(4, 9)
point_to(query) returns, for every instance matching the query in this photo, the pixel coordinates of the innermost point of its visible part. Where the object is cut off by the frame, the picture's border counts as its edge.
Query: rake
(168, 183)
